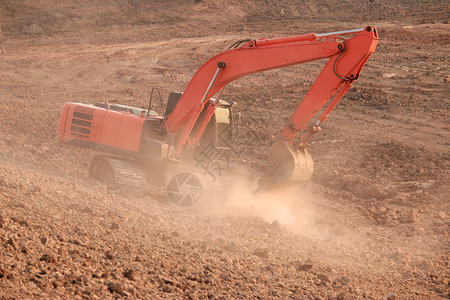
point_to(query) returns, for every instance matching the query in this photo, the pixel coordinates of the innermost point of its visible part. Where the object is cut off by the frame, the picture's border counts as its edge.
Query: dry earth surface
(372, 223)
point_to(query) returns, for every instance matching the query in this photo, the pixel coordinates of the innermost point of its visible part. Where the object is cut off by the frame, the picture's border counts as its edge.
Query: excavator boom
(346, 58)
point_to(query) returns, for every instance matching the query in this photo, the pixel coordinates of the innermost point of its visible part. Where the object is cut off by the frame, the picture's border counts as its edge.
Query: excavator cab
(221, 133)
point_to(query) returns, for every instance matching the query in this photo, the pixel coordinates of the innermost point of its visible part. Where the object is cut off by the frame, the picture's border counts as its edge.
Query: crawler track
(118, 173)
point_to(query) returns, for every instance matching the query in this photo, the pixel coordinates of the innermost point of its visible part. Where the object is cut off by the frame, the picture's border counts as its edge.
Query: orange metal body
(124, 131)
(96, 125)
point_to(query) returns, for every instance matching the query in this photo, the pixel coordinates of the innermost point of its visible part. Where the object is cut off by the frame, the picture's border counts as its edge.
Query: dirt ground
(372, 223)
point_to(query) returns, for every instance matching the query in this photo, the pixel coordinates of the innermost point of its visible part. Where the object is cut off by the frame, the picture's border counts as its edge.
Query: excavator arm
(346, 59)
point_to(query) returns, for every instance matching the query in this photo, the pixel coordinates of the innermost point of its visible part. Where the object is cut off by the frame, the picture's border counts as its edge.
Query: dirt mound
(372, 96)
(405, 163)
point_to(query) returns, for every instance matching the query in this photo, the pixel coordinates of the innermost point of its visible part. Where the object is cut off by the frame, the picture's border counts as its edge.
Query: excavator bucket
(287, 164)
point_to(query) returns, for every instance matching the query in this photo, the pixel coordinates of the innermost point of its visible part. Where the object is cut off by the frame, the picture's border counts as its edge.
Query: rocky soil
(372, 223)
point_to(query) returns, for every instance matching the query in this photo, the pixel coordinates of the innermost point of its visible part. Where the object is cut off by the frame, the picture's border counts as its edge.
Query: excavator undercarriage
(155, 163)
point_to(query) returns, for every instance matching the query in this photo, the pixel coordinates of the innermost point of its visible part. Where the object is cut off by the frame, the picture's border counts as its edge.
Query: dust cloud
(288, 205)
(334, 234)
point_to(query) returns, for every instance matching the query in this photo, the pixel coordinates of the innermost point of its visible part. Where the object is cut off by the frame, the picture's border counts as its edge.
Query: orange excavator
(143, 144)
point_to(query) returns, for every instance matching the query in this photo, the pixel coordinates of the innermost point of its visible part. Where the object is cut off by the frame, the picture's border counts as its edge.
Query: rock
(35, 190)
(411, 232)
(260, 252)
(12, 243)
(305, 266)
(87, 292)
(210, 296)
(18, 204)
(114, 225)
(47, 258)
(208, 268)
(129, 274)
(75, 242)
(109, 255)
(447, 79)
(343, 280)
(62, 251)
(82, 279)
(390, 297)
(114, 275)
(132, 291)
(441, 215)
(3, 273)
(323, 277)
(115, 287)
(389, 75)
(412, 217)
(87, 210)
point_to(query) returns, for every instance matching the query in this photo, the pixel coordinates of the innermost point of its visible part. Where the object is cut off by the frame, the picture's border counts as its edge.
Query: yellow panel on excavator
(224, 138)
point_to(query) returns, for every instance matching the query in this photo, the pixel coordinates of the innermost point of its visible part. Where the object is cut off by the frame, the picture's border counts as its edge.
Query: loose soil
(372, 223)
